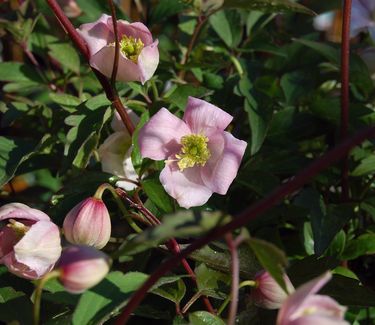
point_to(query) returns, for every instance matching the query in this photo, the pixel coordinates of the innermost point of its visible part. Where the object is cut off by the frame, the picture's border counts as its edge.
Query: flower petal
(293, 303)
(97, 34)
(205, 118)
(226, 155)
(160, 137)
(148, 61)
(136, 30)
(39, 248)
(21, 211)
(127, 69)
(8, 239)
(129, 172)
(360, 18)
(186, 187)
(317, 320)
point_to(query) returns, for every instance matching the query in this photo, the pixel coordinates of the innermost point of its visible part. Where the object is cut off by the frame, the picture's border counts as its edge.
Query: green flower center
(19, 228)
(194, 151)
(131, 47)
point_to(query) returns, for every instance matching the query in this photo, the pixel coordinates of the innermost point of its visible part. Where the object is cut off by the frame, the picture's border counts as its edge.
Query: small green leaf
(204, 318)
(18, 72)
(173, 291)
(178, 95)
(66, 55)
(157, 194)
(211, 282)
(363, 245)
(221, 26)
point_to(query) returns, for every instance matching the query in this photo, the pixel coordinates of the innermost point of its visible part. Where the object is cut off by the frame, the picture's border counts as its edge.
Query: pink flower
(201, 158)
(82, 267)
(362, 17)
(115, 153)
(29, 243)
(267, 293)
(139, 54)
(304, 307)
(88, 223)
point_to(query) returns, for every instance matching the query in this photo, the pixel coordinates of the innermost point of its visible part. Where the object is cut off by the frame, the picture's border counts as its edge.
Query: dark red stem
(82, 47)
(235, 269)
(117, 45)
(345, 54)
(249, 214)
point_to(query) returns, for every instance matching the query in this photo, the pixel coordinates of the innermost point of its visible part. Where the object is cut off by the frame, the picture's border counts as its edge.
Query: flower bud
(88, 223)
(82, 267)
(267, 293)
(29, 241)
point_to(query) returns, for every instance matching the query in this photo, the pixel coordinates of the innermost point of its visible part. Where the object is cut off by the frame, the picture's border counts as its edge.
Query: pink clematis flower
(201, 158)
(115, 153)
(363, 17)
(267, 293)
(139, 54)
(304, 307)
(29, 242)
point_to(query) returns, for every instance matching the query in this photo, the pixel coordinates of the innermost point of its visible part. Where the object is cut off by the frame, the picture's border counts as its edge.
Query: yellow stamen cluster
(131, 47)
(19, 228)
(194, 151)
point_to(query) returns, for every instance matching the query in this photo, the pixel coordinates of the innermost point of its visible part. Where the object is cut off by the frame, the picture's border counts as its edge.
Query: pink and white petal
(205, 118)
(317, 320)
(118, 125)
(8, 239)
(21, 211)
(39, 248)
(129, 172)
(148, 61)
(160, 136)
(294, 302)
(186, 187)
(226, 155)
(97, 34)
(136, 30)
(20, 269)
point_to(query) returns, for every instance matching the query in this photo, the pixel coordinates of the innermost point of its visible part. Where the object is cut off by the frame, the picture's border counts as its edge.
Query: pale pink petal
(129, 172)
(21, 269)
(368, 4)
(97, 34)
(205, 118)
(186, 187)
(136, 30)
(127, 69)
(317, 320)
(148, 61)
(21, 211)
(39, 248)
(226, 155)
(360, 18)
(293, 303)
(160, 137)
(118, 125)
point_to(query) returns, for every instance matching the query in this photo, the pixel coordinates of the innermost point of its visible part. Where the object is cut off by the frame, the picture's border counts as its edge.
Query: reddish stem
(82, 47)
(249, 214)
(345, 54)
(235, 269)
(117, 45)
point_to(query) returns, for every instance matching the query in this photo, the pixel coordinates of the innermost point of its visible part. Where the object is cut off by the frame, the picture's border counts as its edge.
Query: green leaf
(183, 223)
(136, 153)
(18, 72)
(15, 306)
(268, 5)
(157, 194)
(363, 245)
(212, 283)
(65, 99)
(13, 152)
(104, 300)
(178, 95)
(173, 291)
(330, 53)
(221, 26)
(66, 55)
(272, 259)
(204, 318)
(365, 167)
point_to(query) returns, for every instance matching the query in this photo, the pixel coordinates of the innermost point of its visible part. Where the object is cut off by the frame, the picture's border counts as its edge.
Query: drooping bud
(82, 267)
(88, 223)
(267, 292)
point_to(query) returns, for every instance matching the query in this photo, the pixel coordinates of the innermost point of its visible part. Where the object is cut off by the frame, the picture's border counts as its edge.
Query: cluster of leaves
(259, 60)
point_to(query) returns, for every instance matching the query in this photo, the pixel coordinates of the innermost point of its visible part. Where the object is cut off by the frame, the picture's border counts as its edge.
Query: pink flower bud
(307, 308)
(88, 223)
(82, 267)
(267, 293)
(29, 241)
(139, 54)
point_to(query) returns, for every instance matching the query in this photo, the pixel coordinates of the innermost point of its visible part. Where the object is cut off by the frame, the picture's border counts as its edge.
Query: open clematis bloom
(267, 292)
(363, 17)
(304, 307)
(200, 157)
(139, 54)
(29, 241)
(115, 153)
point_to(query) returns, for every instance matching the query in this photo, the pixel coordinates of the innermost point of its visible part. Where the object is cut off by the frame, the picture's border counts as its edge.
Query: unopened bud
(82, 267)
(88, 223)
